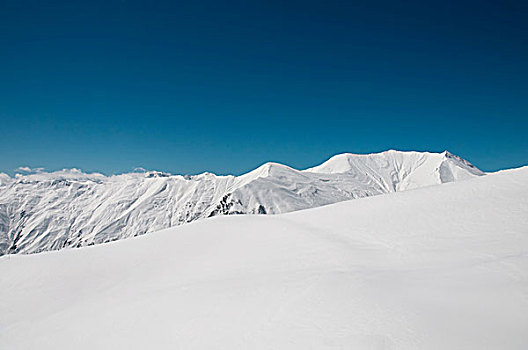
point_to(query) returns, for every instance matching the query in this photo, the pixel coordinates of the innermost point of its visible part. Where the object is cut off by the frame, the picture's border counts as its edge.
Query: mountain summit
(398, 171)
(50, 211)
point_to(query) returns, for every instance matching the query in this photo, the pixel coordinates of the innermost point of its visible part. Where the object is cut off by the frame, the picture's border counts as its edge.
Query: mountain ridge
(69, 208)
(441, 267)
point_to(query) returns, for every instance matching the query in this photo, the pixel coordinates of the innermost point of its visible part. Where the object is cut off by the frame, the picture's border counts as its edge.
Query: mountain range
(53, 210)
(439, 267)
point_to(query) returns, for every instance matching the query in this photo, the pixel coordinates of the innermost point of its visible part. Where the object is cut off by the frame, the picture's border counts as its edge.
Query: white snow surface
(442, 267)
(50, 211)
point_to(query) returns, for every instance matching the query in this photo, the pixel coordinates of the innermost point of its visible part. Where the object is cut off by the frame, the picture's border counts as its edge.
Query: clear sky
(193, 86)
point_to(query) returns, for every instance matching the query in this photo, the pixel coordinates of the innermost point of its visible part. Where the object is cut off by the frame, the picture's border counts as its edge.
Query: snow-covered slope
(49, 211)
(399, 171)
(442, 267)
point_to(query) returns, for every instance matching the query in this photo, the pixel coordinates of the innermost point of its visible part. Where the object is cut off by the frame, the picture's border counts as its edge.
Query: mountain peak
(350, 162)
(268, 169)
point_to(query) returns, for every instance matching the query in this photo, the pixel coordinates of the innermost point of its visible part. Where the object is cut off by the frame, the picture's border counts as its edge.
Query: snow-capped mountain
(49, 211)
(436, 268)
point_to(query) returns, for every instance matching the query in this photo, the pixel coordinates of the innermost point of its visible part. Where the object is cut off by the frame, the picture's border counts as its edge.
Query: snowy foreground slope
(442, 267)
(50, 211)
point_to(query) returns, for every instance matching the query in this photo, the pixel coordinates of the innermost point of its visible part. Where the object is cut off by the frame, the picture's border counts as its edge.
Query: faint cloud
(26, 169)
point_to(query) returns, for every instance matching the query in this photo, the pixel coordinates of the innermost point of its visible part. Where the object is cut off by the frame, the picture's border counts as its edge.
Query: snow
(49, 211)
(440, 267)
(399, 171)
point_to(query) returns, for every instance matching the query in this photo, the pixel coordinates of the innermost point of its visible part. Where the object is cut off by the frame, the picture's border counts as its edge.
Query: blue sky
(197, 86)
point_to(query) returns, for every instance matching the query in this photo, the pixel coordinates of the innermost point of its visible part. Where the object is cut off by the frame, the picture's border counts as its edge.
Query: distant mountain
(50, 211)
(436, 268)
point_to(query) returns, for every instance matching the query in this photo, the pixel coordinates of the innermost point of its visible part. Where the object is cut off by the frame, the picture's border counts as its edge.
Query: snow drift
(49, 211)
(442, 267)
